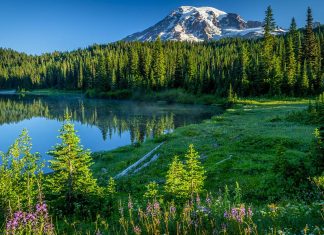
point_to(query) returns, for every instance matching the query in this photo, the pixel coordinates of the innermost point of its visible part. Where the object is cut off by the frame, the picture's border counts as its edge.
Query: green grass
(249, 133)
(50, 92)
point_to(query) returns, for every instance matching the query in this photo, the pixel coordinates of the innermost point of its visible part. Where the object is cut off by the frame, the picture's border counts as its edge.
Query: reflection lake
(101, 124)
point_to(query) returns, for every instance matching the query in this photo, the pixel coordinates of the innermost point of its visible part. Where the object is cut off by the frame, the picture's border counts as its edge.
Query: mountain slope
(189, 23)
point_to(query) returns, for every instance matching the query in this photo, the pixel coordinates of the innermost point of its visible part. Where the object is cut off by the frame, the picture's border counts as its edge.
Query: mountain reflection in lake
(101, 124)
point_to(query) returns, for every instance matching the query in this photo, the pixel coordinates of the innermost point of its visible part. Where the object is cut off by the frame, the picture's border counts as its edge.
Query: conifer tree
(159, 64)
(111, 187)
(269, 23)
(244, 60)
(304, 85)
(310, 47)
(290, 73)
(71, 180)
(195, 171)
(101, 75)
(176, 180)
(190, 73)
(179, 73)
(267, 53)
(295, 36)
(80, 76)
(152, 191)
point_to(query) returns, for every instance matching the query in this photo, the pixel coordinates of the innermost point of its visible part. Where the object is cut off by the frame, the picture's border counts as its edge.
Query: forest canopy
(289, 64)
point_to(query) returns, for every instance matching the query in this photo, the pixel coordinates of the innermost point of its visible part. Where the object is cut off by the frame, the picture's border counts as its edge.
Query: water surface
(101, 124)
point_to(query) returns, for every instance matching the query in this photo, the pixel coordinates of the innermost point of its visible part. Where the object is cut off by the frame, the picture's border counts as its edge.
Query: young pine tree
(71, 180)
(195, 171)
(176, 180)
(152, 191)
(111, 187)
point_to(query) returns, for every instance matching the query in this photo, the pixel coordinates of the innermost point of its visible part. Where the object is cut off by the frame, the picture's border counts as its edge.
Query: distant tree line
(289, 64)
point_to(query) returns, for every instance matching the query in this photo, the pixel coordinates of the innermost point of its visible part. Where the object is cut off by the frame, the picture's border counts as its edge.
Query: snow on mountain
(189, 23)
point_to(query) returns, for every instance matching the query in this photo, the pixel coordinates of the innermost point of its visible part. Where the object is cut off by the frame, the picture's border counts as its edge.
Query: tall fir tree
(268, 60)
(159, 70)
(269, 23)
(101, 74)
(310, 44)
(291, 66)
(244, 63)
(304, 84)
(311, 53)
(71, 181)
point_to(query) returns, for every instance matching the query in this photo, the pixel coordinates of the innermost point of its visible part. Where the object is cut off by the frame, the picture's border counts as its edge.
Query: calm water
(101, 124)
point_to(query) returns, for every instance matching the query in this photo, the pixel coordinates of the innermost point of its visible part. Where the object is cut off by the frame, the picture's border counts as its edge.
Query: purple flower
(30, 217)
(224, 227)
(225, 214)
(41, 208)
(172, 209)
(156, 206)
(242, 211)
(208, 200)
(149, 208)
(130, 204)
(137, 230)
(23, 220)
(250, 213)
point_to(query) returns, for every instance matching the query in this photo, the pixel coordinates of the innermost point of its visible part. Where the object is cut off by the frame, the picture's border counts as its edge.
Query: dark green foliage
(71, 184)
(269, 22)
(313, 115)
(275, 65)
(318, 153)
(292, 176)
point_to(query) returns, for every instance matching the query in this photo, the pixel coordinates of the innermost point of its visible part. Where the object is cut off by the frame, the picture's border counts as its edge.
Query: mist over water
(101, 124)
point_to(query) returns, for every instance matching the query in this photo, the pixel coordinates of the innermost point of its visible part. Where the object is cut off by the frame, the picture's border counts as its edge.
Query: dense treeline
(290, 65)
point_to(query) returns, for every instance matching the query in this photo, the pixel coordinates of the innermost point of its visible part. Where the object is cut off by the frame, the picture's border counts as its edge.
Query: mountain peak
(189, 9)
(189, 23)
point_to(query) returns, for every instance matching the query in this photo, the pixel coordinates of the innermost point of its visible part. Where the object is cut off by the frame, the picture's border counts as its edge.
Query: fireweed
(196, 216)
(36, 222)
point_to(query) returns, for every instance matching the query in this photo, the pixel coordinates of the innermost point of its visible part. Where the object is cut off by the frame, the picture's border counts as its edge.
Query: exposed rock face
(254, 24)
(199, 24)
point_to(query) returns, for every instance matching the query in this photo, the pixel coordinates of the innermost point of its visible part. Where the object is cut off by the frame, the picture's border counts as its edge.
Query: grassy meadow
(248, 135)
(253, 170)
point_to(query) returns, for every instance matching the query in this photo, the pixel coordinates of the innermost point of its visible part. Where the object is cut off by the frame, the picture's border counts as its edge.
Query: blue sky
(38, 26)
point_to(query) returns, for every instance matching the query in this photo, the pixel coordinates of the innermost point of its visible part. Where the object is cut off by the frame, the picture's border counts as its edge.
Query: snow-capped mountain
(189, 23)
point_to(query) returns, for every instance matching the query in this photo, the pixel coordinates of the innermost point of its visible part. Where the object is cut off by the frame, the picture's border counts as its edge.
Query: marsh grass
(249, 133)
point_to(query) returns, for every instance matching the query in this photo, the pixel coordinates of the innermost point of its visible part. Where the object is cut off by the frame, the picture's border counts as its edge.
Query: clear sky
(38, 26)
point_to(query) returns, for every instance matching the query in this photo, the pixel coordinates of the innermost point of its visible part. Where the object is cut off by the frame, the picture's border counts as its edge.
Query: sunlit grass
(250, 134)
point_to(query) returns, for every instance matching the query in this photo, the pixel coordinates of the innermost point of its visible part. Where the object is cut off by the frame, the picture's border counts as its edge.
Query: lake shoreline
(260, 126)
(168, 96)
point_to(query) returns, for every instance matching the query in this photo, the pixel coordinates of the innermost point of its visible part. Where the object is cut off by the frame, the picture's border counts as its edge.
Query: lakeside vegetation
(260, 173)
